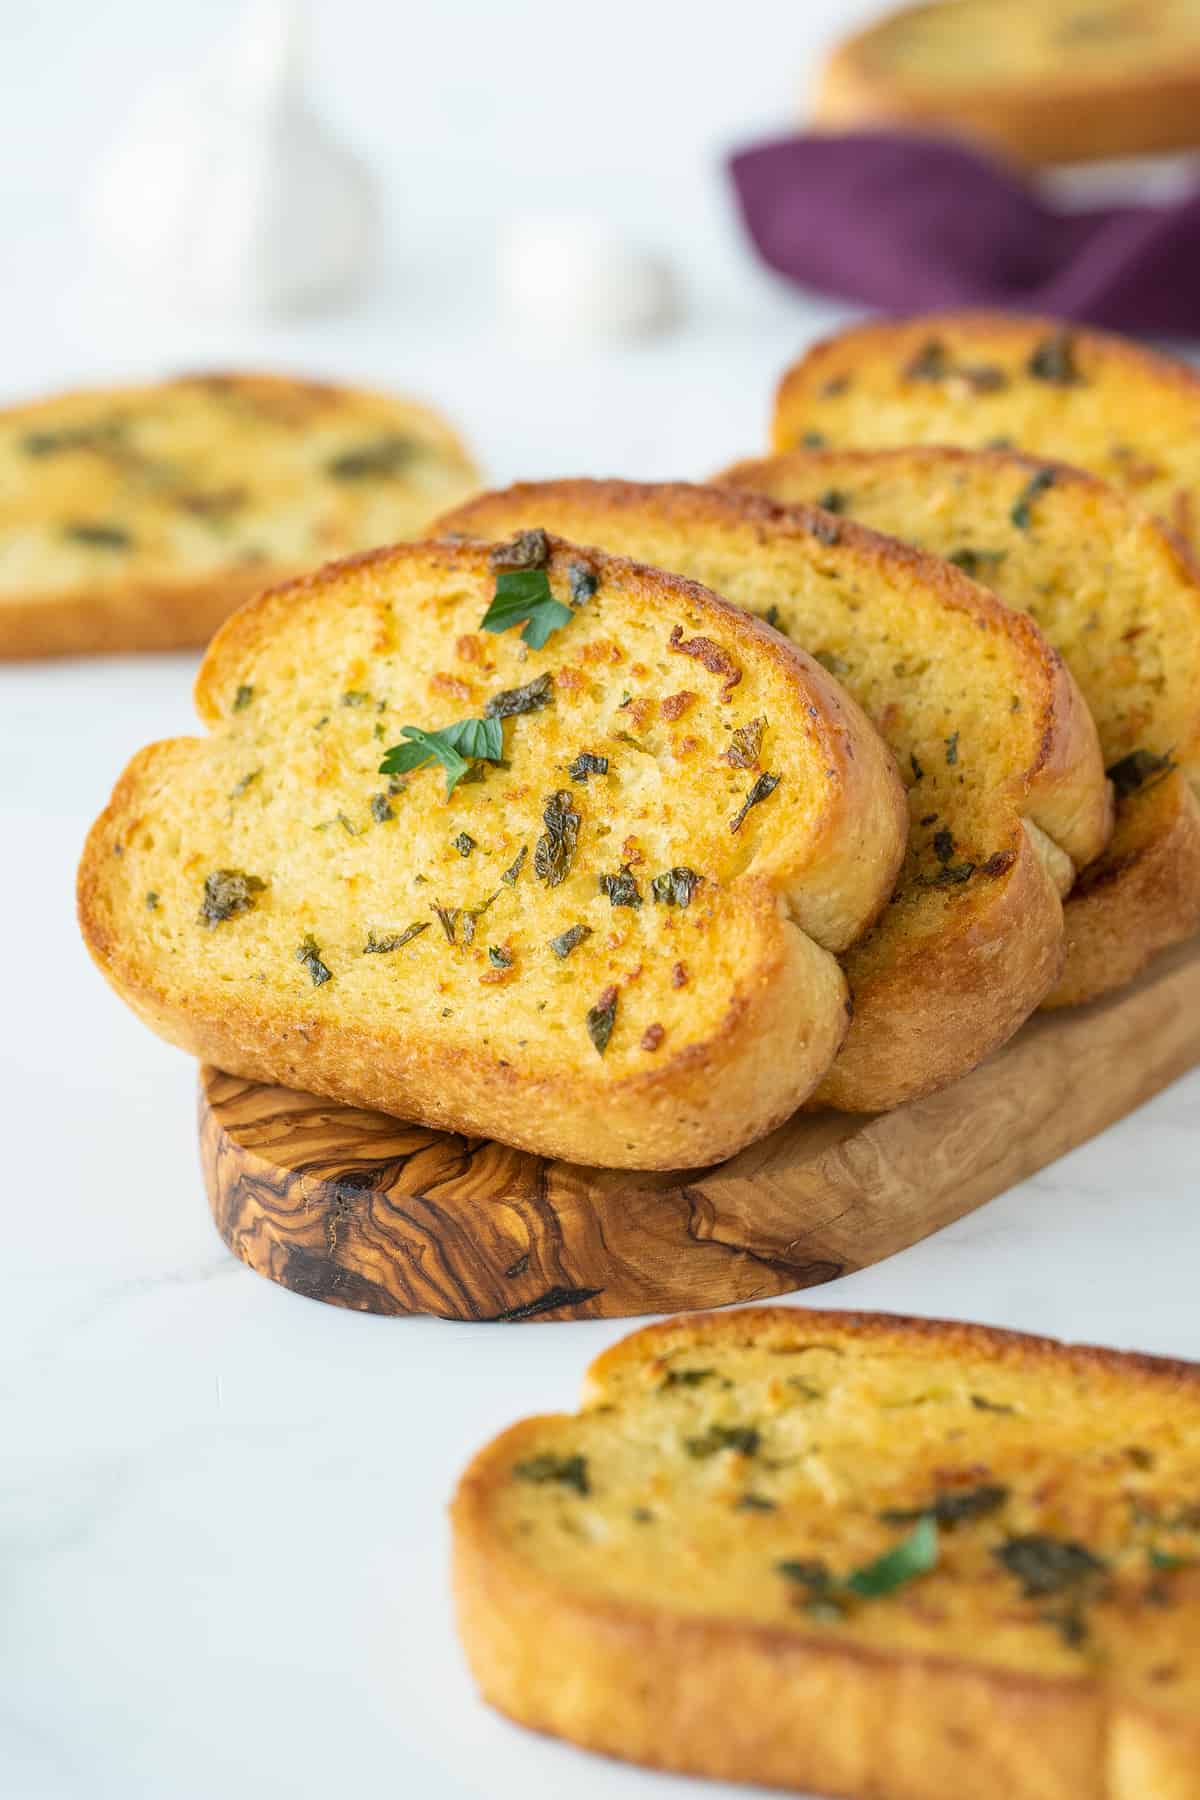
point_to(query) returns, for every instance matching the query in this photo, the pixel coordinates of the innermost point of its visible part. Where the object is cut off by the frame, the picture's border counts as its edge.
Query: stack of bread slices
(619, 821)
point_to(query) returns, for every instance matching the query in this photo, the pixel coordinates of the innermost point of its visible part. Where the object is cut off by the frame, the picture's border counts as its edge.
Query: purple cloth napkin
(911, 224)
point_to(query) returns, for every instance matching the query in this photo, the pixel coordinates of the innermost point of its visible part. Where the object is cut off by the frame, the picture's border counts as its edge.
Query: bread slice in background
(690, 1572)
(1042, 81)
(987, 380)
(1006, 786)
(139, 518)
(630, 965)
(1115, 593)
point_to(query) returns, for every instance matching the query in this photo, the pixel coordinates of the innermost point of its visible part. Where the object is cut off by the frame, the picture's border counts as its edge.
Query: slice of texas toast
(595, 946)
(1006, 788)
(882, 1558)
(1113, 591)
(139, 518)
(990, 380)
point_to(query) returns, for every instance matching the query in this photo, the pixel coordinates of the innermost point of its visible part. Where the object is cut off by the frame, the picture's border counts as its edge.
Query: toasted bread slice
(1006, 787)
(1114, 592)
(1044, 81)
(597, 948)
(885, 1558)
(139, 518)
(989, 380)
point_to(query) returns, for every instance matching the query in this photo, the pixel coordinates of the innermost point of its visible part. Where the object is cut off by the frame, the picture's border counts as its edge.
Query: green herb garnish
(228, 892)
(833, 500)
(686, 1377)
(456, 747)
(499, 958)
(982, 1404)
(952, 748)
(384, 946)
(913, 1555)
(355, 697)
(929, 363)
(763, 787)
(528, 550)
(622, 889)
(381, 810)
(569, 940)
(464, 843)
(309, 953)
(755, 1503)
(1053, 360)
(744, 1439)
(524, 594)
(601, 1018)
(583, 582)
(1047, 1565)
(571, 1471)
(675, 887)
(383, 456)
(100, 537)
(745, 744)
(151, 901)
(509, 877)
(950, 1509)
(1037, 484)
(976, 563)
(554, 851)
(586, 764)
(531, 698)
(242, 698)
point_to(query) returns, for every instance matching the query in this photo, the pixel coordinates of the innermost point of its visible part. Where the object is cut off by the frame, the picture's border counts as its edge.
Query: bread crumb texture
(971, 1558)
(611, 939)
(1005, 782)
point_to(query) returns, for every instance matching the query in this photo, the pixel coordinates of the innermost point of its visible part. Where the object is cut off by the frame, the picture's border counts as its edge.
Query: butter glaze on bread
(140, 518)
(1006, 787)
(724, 1006)
(1116, 594)
(985, 380)
(665, 1575)
(1043, 81)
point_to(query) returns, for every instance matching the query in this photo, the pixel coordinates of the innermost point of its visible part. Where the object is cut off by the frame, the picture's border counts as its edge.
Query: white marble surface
(222, 1528)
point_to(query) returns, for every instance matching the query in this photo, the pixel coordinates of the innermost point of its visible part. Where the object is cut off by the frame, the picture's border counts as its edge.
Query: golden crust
(771, 1038)
(1060, 114)
(940, 999)
(1143, 894)
(1128, 414)
(806, 1707)
(171, 606)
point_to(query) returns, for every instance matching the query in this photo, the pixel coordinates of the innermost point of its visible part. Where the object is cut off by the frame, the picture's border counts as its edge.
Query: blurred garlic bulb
(224, 190)
(572, 279)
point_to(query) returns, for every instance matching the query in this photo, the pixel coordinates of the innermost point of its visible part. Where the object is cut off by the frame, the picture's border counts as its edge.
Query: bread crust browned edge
(1137, 358)
(741, 1701)
(763, 1059)
(1142, 895)
(1058, 121)
(943, 1008)
(162, 615)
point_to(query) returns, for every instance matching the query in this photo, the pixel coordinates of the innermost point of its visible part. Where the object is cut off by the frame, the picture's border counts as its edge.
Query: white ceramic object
(571, 278)
(225, 192)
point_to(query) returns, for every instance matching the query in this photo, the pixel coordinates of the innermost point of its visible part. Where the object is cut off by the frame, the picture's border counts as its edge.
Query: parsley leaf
(456, 747)
(525, 594)
(914, 1555)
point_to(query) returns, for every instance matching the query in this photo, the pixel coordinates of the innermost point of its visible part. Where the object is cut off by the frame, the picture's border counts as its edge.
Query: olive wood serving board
(366, 1212)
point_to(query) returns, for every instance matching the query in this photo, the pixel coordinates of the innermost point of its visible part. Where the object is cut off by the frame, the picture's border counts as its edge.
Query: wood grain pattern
(366, 1212)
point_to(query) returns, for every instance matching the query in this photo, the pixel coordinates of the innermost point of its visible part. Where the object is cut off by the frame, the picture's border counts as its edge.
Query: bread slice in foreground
(592, 947)
(1006, 788)
(990, 380)
(140, 518)
(882, 1558)
(1044, 81)
(1113, 591)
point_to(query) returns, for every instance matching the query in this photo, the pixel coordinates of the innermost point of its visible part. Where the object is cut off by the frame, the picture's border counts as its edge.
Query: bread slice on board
(139, 518)
(1006, 787)
(1114, 592)
(883, 1558)
(1043, 81)
(575, 932)
(991, 380)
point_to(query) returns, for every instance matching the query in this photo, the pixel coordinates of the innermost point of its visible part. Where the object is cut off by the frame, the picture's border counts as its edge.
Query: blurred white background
(469, 114)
